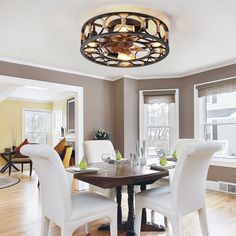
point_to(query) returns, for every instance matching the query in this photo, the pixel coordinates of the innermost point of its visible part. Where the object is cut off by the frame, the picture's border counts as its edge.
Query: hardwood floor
(20, 213)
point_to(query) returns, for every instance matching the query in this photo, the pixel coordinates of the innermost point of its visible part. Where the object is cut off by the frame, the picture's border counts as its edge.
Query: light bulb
(124, 28)
(125, 57)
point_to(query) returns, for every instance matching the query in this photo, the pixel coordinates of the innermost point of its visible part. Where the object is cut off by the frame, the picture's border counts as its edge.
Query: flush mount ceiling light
(124, 39)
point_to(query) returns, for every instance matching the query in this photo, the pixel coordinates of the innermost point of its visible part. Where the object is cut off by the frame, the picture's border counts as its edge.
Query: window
(159, 121)
(217, 115)
(57, 120)
(37, 126)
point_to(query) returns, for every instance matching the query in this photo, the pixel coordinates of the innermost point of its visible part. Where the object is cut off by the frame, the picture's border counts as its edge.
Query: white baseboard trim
(212, 185)
(221, 186)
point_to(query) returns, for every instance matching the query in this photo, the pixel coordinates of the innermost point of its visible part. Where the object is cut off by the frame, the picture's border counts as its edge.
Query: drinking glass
(106, 157)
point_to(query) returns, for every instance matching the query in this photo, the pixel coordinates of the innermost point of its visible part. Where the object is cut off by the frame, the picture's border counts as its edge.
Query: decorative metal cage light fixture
(124, 39)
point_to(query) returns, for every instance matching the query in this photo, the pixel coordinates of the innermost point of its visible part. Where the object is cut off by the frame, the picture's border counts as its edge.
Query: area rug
(7, 181)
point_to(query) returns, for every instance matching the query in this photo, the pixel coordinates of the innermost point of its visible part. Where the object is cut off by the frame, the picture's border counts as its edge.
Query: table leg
(15, 167)
(130, 223)
(118, 200)
(4, 168)
(9, 164)
(144, 212)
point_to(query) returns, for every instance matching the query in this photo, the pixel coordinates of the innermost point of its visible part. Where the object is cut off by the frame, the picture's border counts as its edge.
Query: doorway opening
(58, 114)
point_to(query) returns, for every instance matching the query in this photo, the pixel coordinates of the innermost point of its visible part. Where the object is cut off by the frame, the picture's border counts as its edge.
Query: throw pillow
(60, 147)
(17, 149)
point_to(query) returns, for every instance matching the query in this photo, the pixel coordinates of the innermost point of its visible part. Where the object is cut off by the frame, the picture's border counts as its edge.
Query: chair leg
(152, 216)
(9, 170)
(176, 226)
(86, 229)
(22, 167)
(45, 226)
(165, 221)
(66, 232)
(203, 221)
(31, 167)
(138, 217)
(113, 224)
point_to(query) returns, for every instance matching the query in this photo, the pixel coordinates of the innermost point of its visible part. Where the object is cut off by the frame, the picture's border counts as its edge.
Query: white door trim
(79, 121)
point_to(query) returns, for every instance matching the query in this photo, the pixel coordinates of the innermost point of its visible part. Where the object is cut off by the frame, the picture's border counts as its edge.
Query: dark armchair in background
(17, 158)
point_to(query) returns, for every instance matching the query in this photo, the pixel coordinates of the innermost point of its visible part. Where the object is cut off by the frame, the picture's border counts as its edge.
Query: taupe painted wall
(125, 115)
(119, 115)
(113, 106)
(131, 114)
(219, 173)
(98, 94)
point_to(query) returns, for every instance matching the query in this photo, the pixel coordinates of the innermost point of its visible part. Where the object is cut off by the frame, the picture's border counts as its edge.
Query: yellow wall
(11, 120)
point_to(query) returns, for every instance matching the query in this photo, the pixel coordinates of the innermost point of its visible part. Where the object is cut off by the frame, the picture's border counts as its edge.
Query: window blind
(224, 86)
(151, 97)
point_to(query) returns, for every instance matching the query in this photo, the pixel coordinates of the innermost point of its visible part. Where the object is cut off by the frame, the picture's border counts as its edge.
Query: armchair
(16, 158)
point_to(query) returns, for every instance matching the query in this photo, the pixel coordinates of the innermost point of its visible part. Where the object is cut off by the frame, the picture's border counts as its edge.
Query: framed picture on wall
(71, 115)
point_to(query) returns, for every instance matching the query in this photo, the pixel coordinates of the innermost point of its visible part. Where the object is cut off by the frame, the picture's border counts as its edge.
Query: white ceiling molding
(51, 68)
(6, 91)
(27, 100)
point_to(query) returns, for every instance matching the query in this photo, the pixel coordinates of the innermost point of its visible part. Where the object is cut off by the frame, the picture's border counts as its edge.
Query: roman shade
(223, 86)
(164, 96)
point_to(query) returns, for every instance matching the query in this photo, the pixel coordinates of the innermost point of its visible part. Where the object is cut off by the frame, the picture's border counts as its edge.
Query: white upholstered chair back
(93, 149)
(188, 187)
(54, 184)
(180, 144)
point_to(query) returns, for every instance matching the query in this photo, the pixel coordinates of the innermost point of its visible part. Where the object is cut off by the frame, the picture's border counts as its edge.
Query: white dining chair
(181, 143)
(187, 193)
(93, 150)
(67, 210)
(179, 146)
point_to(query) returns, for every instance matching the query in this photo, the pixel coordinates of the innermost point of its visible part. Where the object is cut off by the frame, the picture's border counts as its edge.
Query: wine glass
(106, 157)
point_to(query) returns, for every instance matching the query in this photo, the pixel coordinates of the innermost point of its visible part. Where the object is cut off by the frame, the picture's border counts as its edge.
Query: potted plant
(101, 135)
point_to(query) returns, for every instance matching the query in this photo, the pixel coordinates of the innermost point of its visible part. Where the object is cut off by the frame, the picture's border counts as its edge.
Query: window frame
(216, 160)
(54, 119)
(174, 136)
(49, 134)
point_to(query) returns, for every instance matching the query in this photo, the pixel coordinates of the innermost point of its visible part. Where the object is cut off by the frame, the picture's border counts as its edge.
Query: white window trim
(224, 162)
(141, 112)
(23, 121)
(53, 113)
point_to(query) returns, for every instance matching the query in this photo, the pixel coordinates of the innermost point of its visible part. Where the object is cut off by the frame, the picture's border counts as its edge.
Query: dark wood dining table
(119, 175)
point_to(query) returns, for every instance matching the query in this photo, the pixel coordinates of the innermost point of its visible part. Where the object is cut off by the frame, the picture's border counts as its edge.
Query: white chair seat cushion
(86, 204)
(150, 197)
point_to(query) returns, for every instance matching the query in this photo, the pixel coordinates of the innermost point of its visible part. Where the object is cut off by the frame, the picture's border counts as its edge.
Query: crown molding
(21, 62)
(167, 76)
(28, 100)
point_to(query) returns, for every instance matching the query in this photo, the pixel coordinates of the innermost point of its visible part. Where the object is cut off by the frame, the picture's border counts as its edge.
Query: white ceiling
(47, 33)
(31, 93)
